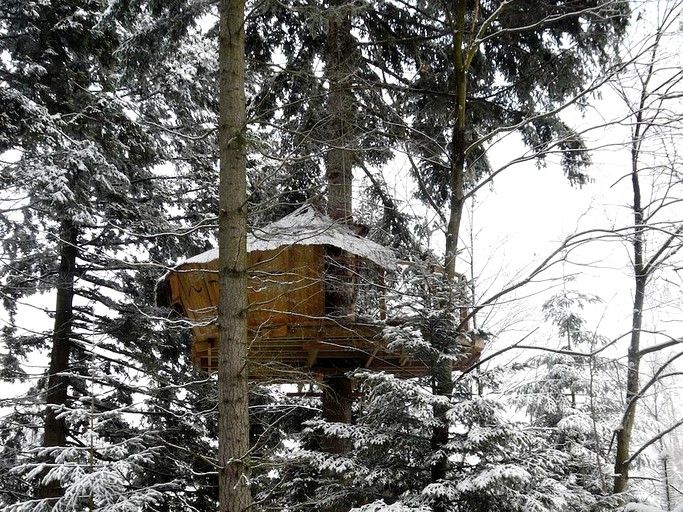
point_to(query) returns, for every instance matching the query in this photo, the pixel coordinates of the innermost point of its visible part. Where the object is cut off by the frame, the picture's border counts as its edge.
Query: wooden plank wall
(286, 286)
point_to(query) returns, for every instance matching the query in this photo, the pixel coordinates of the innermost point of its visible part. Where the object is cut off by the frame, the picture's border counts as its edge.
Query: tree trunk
(339, 158)
(442, 372)
(337, 394)
(57, 385)
(625, 431)
(458, 142)
(442, 385)
(340, 154)
(337, 405)
(233, 406)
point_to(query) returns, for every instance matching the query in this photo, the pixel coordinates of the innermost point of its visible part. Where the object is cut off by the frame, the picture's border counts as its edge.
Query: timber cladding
(291, 319)
(303, 314)
(286, 286)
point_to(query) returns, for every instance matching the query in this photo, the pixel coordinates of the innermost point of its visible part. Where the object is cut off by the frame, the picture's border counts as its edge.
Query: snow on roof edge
(306, 226)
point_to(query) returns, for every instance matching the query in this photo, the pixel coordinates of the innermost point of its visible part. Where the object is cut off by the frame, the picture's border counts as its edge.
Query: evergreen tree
(321, 109)
(82, 206)
(570, 395)
(82, 181)
(456, 112)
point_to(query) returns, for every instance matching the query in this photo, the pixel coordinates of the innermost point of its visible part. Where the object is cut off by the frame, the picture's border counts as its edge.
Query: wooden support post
(337, 406)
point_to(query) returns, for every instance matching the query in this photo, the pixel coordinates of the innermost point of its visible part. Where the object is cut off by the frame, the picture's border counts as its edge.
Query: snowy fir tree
(570, 394)
(84, 212)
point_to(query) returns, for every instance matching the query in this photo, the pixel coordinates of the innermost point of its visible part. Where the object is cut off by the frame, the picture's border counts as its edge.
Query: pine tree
(82, 207)
(570, 395)
(442, 69)
(293, 103)
(456, 112)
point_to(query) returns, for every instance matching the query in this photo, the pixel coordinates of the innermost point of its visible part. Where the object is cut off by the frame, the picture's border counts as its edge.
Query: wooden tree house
(309, 276)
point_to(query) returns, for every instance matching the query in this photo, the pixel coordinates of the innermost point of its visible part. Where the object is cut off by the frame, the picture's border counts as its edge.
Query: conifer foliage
(108, 151)
(82, 204)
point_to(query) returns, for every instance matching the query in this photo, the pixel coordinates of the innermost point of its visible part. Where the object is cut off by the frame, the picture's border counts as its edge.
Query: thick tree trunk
(233, 406)
(337, 407)
(339, 159)
(56, 429)
(337, 395)
(337, 403)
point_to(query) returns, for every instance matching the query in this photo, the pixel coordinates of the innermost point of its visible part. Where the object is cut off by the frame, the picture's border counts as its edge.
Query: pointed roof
(307, 226)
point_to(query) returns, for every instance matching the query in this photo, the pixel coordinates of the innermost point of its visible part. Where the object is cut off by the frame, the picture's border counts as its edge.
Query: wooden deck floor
(322, 346)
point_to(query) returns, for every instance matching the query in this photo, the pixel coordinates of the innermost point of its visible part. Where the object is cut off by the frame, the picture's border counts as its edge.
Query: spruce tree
(570, 395)
(83, 206)
(481, 70)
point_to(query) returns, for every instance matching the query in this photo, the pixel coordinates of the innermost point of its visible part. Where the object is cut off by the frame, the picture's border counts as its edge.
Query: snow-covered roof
(307, 226)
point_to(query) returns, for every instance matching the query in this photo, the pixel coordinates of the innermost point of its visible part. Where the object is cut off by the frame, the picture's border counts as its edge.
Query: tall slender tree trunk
(233, 406)
(442, 372)
(56, 429)
(640, 274)
(625, 432)
(458, 142)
